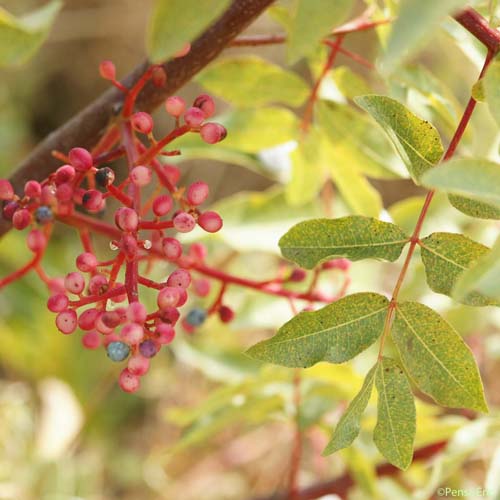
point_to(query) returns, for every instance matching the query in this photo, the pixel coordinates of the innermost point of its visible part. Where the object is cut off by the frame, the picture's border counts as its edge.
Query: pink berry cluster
(101, 297)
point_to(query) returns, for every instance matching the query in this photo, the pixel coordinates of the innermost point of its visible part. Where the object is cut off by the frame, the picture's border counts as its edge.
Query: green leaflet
(417, 20)
(446, 256)
(437, 358)
(21, 37)
(416, 140)
(259, 82)
(355, 237)
(478, 179)
(349, 424)
(396, 420)
(491, 86)
(483, 277)
(174, 23)
(335, 333)
(312, 20)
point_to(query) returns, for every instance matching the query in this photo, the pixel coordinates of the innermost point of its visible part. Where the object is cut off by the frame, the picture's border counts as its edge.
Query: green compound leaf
(491, 86)
(259, 82)
(349, 424)
(483, 277)
(174, 23)
(311, 21)
(416, 140)
(437, 358)
(335, 333)
(21, 37)
(355, 237)
(416, 21)
(476, 179)
(394, 433)
(446, 256)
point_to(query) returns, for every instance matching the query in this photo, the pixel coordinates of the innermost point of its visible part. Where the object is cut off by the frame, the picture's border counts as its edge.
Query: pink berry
(197, 193)
(212, 133)
(57, 303)
(6, 190)
(101, 325)
(201, 287)
(184, 222)
(298, 275)
(184, 51)
(66, 173)
(171, 248)
(170, 315)
(87, 319)
(119, 298)
(179, 278)
(159, 77)
(194, 117)
(74, 283)
(132, 333)
(112, 337)
(66, 321)
(81, 159)
(138, 364)
(226, 314)
(48, 195)
(162, 205)
(165, 333)
(175, 106)
(36, 240)
(21, 218)
(210, 221)
(33, 189)
(98, 284)
(9, 210)
(183, 296)
(86, 262)
(136, 313)
(107, 70)
(91, 340)
(198, 251)
(142, 122)
(187, 327)
(111, 319)
(129, 246)
(141, 176)
(126, 219)
(56, 285)
(128, 381)
(168, 297)
(64, 192)
(206, 104)
(92, 200)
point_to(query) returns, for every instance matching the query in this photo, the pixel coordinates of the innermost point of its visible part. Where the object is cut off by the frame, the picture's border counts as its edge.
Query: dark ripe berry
(226, 314)
(196, 317)
(117, 351)
(33, 189)
(81, 159)
(6, 190)
(212, 133)
(206, 104)
(105, 176)
(21, 218)
(9, 209)
(148, 348)
(210, 221)
(44, 215)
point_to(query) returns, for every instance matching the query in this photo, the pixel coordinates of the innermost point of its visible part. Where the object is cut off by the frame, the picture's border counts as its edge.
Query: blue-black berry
(148, 348)
(196, 317)
(117, 351)
(44, 215)
(105, 176)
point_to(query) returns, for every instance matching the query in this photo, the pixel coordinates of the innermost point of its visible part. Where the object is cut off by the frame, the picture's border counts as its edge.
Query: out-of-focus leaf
(349, 83)
(174, 23)
(491, 85)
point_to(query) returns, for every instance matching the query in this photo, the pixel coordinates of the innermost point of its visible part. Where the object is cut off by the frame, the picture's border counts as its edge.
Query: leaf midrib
(441, 256)
(394, 242)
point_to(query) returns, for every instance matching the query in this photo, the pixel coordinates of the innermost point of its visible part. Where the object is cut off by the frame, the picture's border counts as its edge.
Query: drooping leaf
(259, 82)
(21, 37)
(491, 86)
(417, 20)
(436, 357)
(355, 237)
(396, 419)
(446, 256)
(311, 21)
(349, 424)
(335, 333)
(416, 140)
(174, 23)
(483, 277)
(473, 178)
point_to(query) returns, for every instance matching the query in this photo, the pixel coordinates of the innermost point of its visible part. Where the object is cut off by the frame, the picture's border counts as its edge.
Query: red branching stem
(150, 154)
(356, 58)
(19, 273)
(82, 221)
(107, 141)
(478, 26)
(119, 290)
(109, 156)
(218, 300)
(115, 269)
(150, 224)
(150, 283)
(306, 120)
(85, 239)
(128, 106)
(120, 196)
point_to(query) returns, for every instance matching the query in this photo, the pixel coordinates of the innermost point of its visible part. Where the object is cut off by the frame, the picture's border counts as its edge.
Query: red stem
(19, 273)
(150, 154)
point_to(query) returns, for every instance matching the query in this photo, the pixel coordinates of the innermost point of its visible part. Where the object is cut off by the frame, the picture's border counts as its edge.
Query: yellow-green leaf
(349, 424)
(491, 86)
(174, 23)
(446, 256)
(251, 81)
(394, 433)
(21, 37)
(437, 358)
(474, 208)
(335, 333)
(311, 21)
(355, 237)
(416, 140)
